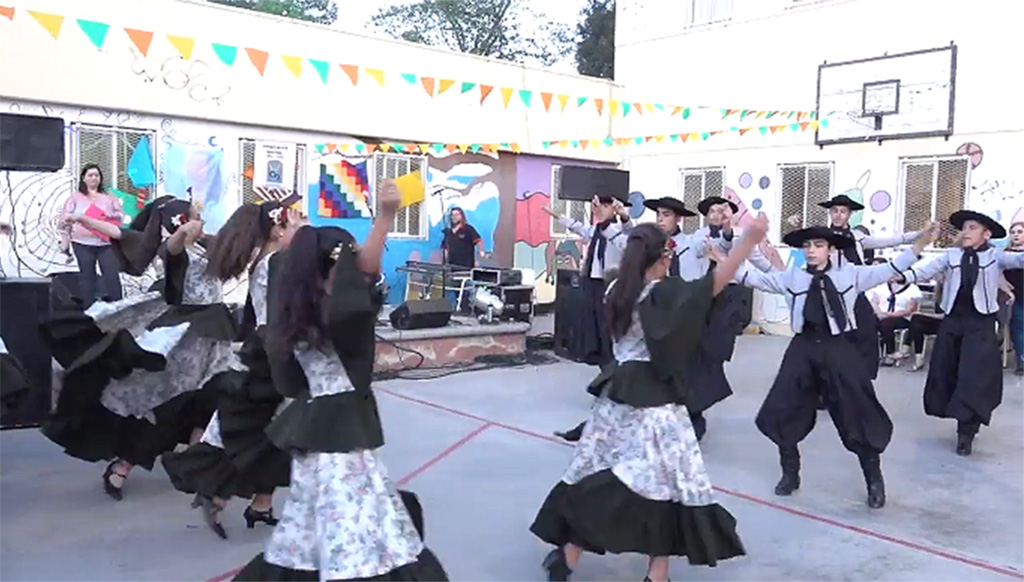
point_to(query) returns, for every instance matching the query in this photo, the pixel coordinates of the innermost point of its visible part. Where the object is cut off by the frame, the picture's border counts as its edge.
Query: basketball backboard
(888, 97)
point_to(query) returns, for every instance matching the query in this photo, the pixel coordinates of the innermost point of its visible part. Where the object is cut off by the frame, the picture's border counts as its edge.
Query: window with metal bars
(110, 148)
(697, 184)
(803, 188)
(409, 220)
(572, 209)
(933, 188)
(709, 11)
(253, 194)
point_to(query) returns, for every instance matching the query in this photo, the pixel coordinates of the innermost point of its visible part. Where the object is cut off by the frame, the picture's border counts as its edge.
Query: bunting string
(432, 87)
(795, 127)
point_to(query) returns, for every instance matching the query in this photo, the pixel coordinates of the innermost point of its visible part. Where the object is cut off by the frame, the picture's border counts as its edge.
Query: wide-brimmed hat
(674, 204)
(959, 217)
(842, 200)
(705, 205)
(837, 238)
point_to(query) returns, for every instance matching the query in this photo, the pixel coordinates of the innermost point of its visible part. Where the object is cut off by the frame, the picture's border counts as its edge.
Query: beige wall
(70, 70)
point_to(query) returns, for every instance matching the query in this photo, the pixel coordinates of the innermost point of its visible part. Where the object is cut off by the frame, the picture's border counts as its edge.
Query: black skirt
(866, 335)
(965, 377)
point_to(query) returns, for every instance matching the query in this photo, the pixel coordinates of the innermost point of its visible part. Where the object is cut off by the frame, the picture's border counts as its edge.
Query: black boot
(871, 463)
(557, 566)
(572, 435)
(700, 425)
(790, 481)
(964, 444)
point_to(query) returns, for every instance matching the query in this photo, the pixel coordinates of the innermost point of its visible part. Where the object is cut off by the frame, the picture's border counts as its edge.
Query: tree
(320, 11)
(595, 44)
(505, 29)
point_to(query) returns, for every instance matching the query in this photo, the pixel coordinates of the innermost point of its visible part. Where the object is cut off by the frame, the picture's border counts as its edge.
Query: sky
(354, 14)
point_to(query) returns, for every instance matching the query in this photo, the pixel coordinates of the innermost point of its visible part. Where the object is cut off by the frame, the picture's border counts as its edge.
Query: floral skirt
(637, 483)
(345, 520)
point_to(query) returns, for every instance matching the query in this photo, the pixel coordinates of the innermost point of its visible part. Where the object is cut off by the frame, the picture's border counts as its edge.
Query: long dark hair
(295, 315)
(81, 178)
(236, 242)
(645, 246)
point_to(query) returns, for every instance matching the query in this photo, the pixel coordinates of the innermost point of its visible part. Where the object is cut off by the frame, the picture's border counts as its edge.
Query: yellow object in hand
(411, 188)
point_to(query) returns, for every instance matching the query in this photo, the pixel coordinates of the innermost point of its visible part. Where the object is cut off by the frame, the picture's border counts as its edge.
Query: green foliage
(320, 11)
(595, 45)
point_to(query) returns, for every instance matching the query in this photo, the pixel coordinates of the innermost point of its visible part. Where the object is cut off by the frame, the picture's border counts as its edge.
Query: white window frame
(110, 174)
(703, 172)
(778, 218)
(393, 232)
(710, 7)
(556, 190)
(300, 171)
(901, 209)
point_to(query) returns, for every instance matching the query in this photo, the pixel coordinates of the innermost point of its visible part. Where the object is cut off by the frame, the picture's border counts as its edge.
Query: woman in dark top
(1016, 279)
(461, 241)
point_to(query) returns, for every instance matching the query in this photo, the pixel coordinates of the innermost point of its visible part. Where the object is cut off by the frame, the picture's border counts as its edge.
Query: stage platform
(460, 342)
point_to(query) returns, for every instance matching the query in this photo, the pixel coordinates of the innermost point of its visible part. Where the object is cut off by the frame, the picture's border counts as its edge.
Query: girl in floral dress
(142, 375)
(234, 456)
(637, 481)
(343, 519)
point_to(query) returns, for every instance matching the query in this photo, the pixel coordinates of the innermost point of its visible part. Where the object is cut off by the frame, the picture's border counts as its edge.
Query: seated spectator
(894, 304)
(923, 324)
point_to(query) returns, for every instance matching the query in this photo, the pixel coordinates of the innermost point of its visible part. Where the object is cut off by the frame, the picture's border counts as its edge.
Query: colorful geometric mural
(344, 190)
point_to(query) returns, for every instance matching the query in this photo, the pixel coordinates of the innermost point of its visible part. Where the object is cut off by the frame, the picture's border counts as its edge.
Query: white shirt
(880, 296)
(617, 234)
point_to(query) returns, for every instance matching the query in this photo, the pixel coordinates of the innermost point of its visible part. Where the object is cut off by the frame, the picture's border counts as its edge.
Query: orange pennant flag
(774, 128)
(506, 94)
(546, 98)
(376, 75)
(613, 107)
(443, 86)
(352, 72)
(621, 140)
(600, 106)
(293, 64)
(258, 59)
(184, 44)
(638, 108)
(584, 143)
(450, 148)
(7, 11)
(428, 85)
(685, 137)
(744, 130)
(370, 147)
(485, 90)
(141, 39)
(563, 99)
(515, 148)
(51, 22)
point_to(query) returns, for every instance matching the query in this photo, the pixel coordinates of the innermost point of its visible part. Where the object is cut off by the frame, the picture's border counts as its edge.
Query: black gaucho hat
(843, 200)
(705, 205)
(674, 204)
(836, 238)
(959, 217)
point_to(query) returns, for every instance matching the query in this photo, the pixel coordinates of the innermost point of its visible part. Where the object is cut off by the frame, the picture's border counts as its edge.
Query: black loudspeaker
(569, 300)
(24, 303)
(582, 183)
(31, 144)
(518, 300)
(422, 314)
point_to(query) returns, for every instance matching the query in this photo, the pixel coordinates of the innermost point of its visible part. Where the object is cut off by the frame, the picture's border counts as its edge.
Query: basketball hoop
(880, 98)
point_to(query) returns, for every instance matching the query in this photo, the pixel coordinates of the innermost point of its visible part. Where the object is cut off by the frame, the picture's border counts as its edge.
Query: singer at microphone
(460, 242)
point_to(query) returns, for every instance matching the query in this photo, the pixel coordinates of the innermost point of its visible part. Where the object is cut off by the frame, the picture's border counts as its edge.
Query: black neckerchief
(850, 253)
(814, 309)
(673, 267)
(719, 232)
(969, 268)
(893, 294)
(598, 245)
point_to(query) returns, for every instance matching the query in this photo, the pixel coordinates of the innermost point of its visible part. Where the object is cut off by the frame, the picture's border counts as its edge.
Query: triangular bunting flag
(258, 59)
(371, 147)
(506, 95)
(545, 144)
(583, 144)
(564, 143)
(649, 107)
(50, 22)
(774, 128)
(444, 85)
(463, 147)
(485, 90)
(409, 78)
(321, 68)
(184, 44)
(814, 125)
(804, 125)
(674, 137)
(686, 113)
(763, 129)
(743, 130)
(638, 140)
(428, 85)
(525, 96)
(376, 75)
(580, 101)
(360, 148)
(293, 64)
(744, 113)
(515, 148)
(685, 137)
(795, 126)
(352, 72)
(96, 31)
(467, 87)
(320, 148)
(659, 138)
(475, 148)
(638, 108)
(546, 99)
(226, 53)
(726, 113)
(613, 107)
(694, 136)
(7, 11)
(625, 108)
(761, 114)
(562, 100)
(599, 103)
(438, 147)
(824, 123)
(647, 139)
(424, 148)
(677, 110)
(705, 135)
(451, 148)
(344, 148)
(399, 147)
(608, 141)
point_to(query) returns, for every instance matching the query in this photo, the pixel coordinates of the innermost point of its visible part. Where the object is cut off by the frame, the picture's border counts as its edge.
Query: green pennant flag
(705, 135)
(638, 140)
(507, 145)
(525, 96)
(824, 123)
(321, 68)
(608, 141)
(791, 114)
(814, 115)
(96, 31)
(795, 127)
(674, 137)
(625, 108)
(360, 147)
(575, 143)
(226, 53)
(437, 147)
(771, 114)
(320, 148)
(686, 113)
(475, 148)
(467, 87)
(580, 101)
(763, 129)
(409, 78)
(725, 113)
(659, 107)
(545, 144)
(398, 148)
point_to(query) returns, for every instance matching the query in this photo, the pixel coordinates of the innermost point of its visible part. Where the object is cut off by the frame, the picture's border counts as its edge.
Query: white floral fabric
(632, 346)
(199, 288)
(211, 435)
(258, 289)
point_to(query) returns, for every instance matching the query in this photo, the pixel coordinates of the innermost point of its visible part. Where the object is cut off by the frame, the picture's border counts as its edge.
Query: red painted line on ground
(819, 518)
(415, 473)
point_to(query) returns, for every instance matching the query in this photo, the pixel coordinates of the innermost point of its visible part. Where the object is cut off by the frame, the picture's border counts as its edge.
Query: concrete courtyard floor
(476, 448)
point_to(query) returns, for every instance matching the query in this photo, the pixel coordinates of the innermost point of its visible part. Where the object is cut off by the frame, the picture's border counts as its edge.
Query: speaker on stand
(569, 300)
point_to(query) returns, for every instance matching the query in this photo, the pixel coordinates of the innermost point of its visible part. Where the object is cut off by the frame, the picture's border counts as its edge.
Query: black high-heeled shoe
(108, 487)
(254, 516)
(557, 566)
(210, 513)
